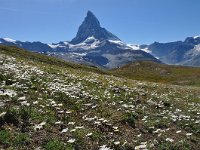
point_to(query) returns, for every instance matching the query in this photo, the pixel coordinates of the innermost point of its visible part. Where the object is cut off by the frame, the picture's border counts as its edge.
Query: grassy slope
(24, 54)
(143, 71)
(150, 71)
(120, 113)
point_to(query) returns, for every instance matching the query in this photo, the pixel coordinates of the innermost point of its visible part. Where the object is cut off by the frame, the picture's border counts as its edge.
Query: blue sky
(133, 21)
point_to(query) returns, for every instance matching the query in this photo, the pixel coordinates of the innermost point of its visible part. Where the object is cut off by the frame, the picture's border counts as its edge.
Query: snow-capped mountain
(179, 53)
(92, 28)
(92, 45)
(32, 46)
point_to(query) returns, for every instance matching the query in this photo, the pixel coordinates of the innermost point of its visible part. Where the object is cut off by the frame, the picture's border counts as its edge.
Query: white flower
(80, 127)
(35, 102)
(64, 130)
(71, 140)
(169, 140)
(140, 147)
(71, 123)
(89, 134)
(188, 134)
(178, 131)
(39, 126)
(2, 114)
(104, 148)
(22, 98)
(117, 143)
(58, 122)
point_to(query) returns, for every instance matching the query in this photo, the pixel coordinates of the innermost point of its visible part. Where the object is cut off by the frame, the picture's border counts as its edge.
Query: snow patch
(193, 52)
(116, 42)
(195, 37)
(146, 50)
(90, 39)
(89, 44)
(133, 46)
(53, 46)
(66, 43)
(197, 48)
(129, 46)
(124, 45)
(80, 54)
(9, 40)
(137, 47)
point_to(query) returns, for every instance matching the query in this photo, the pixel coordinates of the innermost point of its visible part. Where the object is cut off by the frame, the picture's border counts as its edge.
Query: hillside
(154, 72)
(30, 56)
(54, 105)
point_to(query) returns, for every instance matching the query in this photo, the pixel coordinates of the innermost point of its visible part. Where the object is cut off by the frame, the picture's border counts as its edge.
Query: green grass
(153, 72)
(4, 137)
(55, 144)
(110, 108)
(27, 55)
(142, 71)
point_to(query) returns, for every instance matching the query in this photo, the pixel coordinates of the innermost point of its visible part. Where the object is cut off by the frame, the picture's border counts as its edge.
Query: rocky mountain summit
(91, 28)
(93, 45)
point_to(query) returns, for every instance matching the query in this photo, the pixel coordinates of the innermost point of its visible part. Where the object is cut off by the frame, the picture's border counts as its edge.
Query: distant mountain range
(94, 45)
(185, 52)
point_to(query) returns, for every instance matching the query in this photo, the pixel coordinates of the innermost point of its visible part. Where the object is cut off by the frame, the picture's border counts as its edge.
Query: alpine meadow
(96, 91)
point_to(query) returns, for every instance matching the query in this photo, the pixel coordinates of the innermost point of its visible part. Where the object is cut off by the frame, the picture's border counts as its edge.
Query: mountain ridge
(92, 45)
(91, 27)
(178, 52)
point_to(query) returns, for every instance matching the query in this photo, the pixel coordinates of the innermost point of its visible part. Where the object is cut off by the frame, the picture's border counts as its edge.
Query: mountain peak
(91, 27)
(193, 40)
(91, 20)
(90, 14)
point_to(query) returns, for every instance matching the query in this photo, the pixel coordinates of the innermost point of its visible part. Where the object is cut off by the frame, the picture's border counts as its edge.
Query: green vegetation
(9, 139)
(46, 103)
(55, 144)
(11, 117)
(23, 54)
(154, 72)
(4, 137)
(130, 118)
